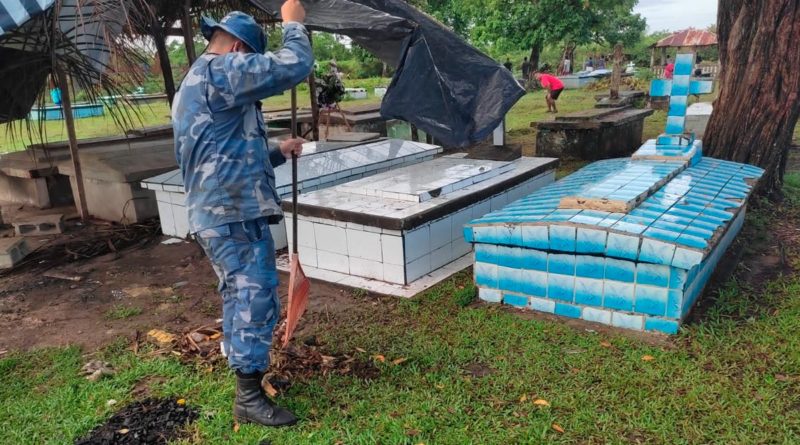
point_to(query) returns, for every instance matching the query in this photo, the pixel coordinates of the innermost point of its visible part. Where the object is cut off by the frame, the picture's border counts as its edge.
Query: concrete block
(12, 251)
(40, 226)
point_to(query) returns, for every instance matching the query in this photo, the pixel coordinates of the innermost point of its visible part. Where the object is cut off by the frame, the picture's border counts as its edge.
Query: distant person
(526, 69)
(554, 87)
(509, 66)
(567, 66)
(669, 69)
(589, 66)
(601, 63)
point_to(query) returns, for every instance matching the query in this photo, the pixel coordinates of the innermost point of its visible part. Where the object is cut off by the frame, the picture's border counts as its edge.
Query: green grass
(122, 312)
(733, 377)
(15, 136)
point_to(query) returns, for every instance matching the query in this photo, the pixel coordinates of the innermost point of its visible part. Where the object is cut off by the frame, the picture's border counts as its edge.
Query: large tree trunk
(536, 51)
(759, 101)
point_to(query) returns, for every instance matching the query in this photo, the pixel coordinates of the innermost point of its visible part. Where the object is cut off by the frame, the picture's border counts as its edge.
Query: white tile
(330, 238)
(333, 261)
(177, 198)
(279, 236)
(460, 219)
(596, 315)
(305, 234)
(392, 247)
(461, 248)
(181, 217)
(481, 209)
(490, 295)
(498, 202)
(417, 243)
(394, 274)
(308, 256)
(441, 232)
(364, 245)
(441, 256)
(418, 268)
(366, 268)
(372, 229)
(174, 188)
(166, 218)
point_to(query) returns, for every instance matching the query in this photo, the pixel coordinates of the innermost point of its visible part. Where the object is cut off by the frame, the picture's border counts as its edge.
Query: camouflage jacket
(220, 135)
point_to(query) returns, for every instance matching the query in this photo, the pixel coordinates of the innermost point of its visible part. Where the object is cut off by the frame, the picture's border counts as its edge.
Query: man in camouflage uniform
(220, 144)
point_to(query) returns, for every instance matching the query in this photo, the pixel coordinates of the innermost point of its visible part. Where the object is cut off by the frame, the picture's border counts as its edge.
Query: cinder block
(12, 251)
(40, 225)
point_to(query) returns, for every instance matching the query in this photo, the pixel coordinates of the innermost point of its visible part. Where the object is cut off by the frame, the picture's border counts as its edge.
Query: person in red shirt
(669, 69)
(554, 87)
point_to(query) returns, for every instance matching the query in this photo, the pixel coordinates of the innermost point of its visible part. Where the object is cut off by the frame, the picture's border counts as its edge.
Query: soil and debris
(149, 422)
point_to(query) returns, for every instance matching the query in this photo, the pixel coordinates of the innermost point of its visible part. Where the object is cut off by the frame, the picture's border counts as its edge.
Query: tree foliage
(501, 26)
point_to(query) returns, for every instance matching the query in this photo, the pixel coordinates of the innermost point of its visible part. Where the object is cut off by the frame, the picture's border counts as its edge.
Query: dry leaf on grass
(541, 402)
(269, 389)
(557, 427)
(361, 350)
(399, 361)
(379, 358)
(605, 344)
(523, 398)
(160, 336)
(181, 402)
(648, 358)
(236, 427)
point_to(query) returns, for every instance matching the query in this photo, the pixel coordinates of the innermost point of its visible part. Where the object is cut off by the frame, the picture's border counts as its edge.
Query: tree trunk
(616, 75)
(759, 102)
(536, 50)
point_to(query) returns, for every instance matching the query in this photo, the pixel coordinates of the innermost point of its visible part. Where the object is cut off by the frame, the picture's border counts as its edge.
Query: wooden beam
(188, 34)
(66, 108)
(312, 88)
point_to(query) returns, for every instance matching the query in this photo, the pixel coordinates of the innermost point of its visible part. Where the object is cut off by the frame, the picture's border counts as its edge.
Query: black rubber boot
(253, 406)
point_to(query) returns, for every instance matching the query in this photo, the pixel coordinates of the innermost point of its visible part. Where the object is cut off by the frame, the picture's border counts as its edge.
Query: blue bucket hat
(241, 26)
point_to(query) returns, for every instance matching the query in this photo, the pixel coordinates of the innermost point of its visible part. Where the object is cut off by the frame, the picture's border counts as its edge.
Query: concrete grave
(697, 116)
(400, 232)
(112, 180)
(12, 251)
(591, 134)
(626, 242)
(323, 164)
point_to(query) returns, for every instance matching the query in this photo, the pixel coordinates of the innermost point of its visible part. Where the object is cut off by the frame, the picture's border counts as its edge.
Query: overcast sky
(674, 15)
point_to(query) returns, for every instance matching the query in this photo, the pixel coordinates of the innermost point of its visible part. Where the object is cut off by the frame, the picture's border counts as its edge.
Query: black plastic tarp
(443, 85)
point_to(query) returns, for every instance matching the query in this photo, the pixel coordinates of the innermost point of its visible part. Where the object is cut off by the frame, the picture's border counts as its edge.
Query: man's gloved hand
(293, 11)
(290, 146)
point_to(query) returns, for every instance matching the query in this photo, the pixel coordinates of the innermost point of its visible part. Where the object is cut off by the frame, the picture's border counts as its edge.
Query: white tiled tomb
(392, 231)
(322, 165)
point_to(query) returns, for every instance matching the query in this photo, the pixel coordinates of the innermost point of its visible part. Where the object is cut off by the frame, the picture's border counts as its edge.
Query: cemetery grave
(624, 242)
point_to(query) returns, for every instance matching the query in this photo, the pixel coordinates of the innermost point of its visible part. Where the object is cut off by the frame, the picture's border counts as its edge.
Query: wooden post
(312, 91)
(652, 57)
(188, 34)
(66, 107)
(616, 75)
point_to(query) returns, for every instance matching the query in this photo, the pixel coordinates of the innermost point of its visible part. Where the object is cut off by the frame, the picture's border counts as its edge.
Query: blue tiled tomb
(625, 242)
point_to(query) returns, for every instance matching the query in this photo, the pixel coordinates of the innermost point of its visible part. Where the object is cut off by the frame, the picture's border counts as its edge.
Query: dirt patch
(149, 422)
(142, 287)
(478, 370)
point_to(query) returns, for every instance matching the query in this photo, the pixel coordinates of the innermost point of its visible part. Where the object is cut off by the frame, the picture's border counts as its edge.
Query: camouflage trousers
(243, 256)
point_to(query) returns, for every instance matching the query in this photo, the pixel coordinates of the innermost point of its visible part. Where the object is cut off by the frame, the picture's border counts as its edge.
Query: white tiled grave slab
(354, 238)
(322, 165)
(428, 180)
